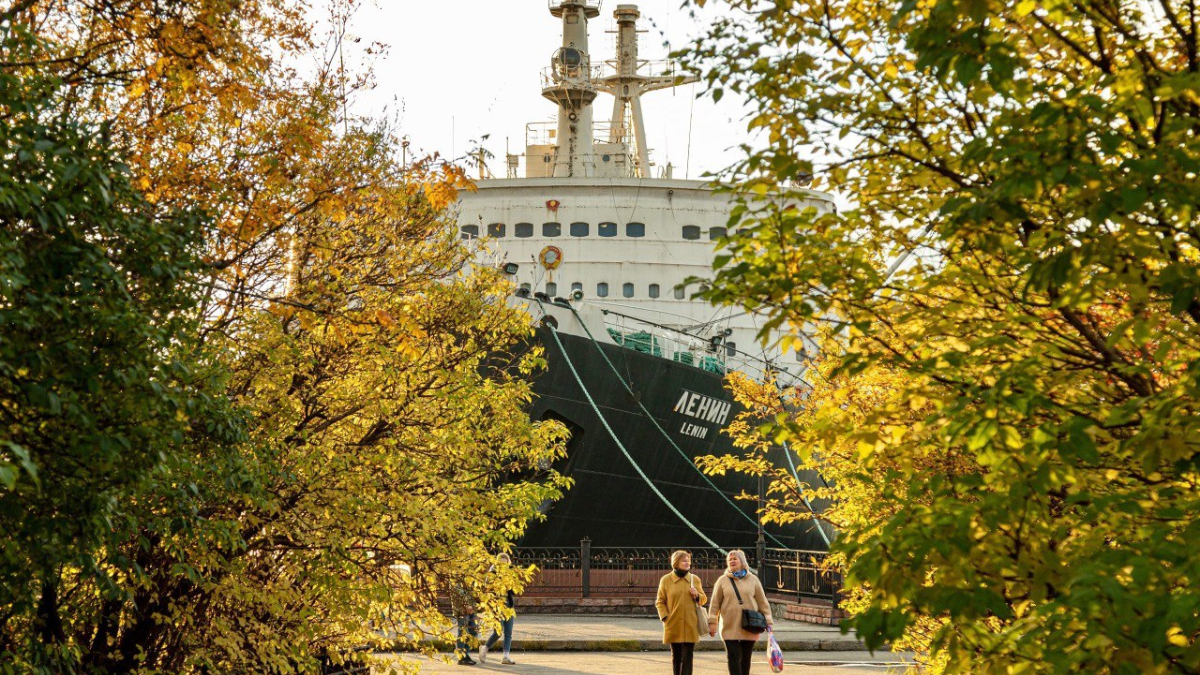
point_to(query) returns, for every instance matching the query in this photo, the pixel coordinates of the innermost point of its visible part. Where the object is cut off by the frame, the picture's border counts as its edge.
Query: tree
(97, 290)
(375, 445)
(1038, 159)
(856, 494)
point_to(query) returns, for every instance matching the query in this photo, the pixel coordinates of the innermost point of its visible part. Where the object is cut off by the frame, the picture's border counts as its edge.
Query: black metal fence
(589, 571)
(804, 574)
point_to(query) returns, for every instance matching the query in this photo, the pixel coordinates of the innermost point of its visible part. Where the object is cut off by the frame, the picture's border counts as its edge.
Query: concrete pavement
(592, 633)
(656, 663)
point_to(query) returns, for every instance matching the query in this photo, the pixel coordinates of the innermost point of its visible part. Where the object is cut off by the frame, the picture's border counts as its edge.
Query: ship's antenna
(627, 87)
(687, 166)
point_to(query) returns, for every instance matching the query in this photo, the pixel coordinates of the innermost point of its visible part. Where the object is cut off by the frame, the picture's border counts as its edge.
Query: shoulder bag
(753, 621)
(701, 615)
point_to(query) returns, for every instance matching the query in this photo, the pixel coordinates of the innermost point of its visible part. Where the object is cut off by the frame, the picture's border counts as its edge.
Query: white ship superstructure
(588, 223)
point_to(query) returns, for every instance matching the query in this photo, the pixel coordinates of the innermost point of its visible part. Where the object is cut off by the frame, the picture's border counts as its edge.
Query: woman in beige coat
(678, 594)
(739, 644)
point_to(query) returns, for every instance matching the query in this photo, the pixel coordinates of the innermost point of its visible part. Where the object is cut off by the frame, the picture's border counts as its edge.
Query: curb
(657, 646)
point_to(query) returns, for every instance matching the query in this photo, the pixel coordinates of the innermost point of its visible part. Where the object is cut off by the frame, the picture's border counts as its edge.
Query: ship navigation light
(510, 268)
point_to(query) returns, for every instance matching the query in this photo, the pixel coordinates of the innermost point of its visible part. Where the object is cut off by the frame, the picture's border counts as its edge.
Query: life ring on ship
(551, 257)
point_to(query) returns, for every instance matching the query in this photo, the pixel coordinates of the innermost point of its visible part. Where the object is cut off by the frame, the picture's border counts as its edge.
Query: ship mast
(569, 84)
(627, 87)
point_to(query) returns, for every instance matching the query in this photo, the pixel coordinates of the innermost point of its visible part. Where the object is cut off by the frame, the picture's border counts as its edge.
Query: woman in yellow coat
(678, 594)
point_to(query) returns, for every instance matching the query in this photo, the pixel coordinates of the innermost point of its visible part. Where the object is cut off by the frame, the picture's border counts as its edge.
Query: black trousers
(681, 657)
(738, 653)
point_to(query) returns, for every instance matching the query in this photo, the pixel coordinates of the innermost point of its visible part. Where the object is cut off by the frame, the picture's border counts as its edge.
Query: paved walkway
(552, 632)
(659, 663)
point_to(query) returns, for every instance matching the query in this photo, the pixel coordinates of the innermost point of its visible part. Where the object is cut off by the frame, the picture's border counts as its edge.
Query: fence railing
(804, 574)
(587, 571)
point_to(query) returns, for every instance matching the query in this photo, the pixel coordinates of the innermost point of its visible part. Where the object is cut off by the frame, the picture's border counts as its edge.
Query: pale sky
(458, 69)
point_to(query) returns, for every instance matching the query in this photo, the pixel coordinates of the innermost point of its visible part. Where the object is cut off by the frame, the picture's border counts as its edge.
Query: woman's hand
(695, 593)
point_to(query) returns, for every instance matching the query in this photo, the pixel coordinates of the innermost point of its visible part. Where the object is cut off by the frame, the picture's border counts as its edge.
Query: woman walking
(506, 625)
(679, 593)
(737, 590)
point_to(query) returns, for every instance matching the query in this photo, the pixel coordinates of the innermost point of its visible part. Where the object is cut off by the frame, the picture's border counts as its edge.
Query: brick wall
(821, 614)
(640, 606)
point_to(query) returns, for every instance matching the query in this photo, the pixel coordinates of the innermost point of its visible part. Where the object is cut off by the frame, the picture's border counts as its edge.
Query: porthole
(576, 286)
(602, 290)
(635, 230)
(551, 229)
(470, 231)
(523, 230)
(680, 292)
(606, 229)
(691, 232)
(627, 290)
(715, 233)
(654, 290)
(551, 289)
(496, 230)
(579, 229)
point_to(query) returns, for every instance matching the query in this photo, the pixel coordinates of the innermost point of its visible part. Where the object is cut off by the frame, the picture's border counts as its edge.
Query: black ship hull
(611, 503)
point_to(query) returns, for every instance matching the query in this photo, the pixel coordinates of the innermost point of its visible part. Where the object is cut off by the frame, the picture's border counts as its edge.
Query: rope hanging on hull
(621, 446)
(787, 452)
(664, 433)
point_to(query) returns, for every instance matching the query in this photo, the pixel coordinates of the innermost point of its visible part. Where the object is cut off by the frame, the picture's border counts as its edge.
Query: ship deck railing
(543, 134)
(687, 348)
(645, 68)
(584, 571)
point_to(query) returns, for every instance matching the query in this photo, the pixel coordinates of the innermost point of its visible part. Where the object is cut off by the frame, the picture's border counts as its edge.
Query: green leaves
(1009, 418)
(258, 407)
(96, 289)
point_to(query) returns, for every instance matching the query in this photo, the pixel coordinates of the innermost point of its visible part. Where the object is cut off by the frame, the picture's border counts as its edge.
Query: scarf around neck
(740, 574)
(681, 573)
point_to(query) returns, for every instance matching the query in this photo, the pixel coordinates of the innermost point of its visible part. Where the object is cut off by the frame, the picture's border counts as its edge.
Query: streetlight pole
(761, 544)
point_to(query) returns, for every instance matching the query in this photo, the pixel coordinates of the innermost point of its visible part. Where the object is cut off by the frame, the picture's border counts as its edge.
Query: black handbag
(753, 621)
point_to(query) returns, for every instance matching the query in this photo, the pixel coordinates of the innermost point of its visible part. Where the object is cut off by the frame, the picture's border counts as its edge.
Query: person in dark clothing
(462, 604)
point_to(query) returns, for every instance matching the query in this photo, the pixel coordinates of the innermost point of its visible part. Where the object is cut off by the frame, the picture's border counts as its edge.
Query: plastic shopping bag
(774, 653)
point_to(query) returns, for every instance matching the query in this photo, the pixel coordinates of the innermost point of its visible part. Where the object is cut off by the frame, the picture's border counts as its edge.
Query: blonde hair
(677, 556)
(741, 556)
(504, 557)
